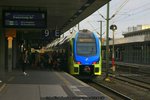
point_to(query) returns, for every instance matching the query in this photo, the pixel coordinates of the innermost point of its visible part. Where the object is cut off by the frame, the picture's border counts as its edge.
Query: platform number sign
(57, 33)
(46, 33)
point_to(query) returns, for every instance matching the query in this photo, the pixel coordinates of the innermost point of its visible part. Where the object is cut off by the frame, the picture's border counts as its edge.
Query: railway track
(108, 91)
(121, 88)
(122, 96)
(135, 82)
(143, 83)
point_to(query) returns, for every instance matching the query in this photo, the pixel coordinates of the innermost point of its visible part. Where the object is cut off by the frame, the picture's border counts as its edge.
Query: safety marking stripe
(2, 87)
(77, 91)
(74, 89)
(82, 95)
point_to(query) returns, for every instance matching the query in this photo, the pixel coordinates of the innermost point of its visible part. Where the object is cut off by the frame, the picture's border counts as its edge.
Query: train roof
(60, 41)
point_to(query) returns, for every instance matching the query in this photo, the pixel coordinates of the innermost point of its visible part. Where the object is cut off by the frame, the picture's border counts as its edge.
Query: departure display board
(24, 19)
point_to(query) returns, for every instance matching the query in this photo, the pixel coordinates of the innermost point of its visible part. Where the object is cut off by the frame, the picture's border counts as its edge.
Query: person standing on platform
(50, 61)
(25, 62)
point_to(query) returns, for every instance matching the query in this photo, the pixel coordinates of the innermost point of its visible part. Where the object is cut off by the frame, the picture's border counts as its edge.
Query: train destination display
(24, 19)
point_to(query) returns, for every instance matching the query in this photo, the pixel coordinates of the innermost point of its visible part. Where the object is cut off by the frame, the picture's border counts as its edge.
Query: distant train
(83, 53)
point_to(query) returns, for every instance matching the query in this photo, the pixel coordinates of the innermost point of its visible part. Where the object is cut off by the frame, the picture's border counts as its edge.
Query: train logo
(86, 59)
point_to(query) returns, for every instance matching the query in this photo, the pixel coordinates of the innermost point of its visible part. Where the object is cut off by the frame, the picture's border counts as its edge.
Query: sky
(129, 13)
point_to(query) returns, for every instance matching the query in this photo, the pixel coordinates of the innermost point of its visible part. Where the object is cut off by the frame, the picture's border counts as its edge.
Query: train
(83, 53)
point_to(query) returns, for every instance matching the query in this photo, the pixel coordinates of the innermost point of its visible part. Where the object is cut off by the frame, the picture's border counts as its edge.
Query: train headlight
(96, 62)
(78, 62)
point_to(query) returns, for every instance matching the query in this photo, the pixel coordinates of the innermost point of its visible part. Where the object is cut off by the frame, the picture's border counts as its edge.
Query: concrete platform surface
(47, 85)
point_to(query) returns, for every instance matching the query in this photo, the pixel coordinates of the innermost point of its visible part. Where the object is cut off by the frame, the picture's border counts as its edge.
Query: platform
(47, 85)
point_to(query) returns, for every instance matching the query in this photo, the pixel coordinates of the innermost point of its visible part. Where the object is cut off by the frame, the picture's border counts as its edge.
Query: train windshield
(86, 44)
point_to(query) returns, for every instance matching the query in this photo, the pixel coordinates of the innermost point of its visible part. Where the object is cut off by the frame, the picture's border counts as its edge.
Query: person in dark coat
(25, 61)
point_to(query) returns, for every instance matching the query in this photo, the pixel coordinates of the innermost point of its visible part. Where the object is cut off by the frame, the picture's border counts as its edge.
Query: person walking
(25, 62)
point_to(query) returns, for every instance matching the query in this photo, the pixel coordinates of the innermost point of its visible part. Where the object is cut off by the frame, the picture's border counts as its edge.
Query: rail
(124, 97)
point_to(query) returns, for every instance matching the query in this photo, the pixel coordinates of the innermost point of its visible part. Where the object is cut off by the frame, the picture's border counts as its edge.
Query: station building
(133, 48)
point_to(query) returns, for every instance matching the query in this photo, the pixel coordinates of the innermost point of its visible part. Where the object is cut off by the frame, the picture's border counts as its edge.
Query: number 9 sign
(46, 33)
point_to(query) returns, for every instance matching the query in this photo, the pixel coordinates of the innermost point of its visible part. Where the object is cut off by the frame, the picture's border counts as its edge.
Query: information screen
(24, 19)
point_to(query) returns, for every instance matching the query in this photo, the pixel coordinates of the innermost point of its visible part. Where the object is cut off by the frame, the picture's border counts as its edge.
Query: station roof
(61, 14)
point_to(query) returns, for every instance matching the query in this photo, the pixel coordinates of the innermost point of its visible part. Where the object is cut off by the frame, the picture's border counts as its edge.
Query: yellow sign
(9, 41)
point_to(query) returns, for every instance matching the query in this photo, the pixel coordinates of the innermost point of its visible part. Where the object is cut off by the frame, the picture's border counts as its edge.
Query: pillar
(2, 51)
(10, 56)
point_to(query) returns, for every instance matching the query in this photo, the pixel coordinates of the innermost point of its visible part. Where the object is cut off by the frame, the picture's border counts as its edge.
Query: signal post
(113, 28)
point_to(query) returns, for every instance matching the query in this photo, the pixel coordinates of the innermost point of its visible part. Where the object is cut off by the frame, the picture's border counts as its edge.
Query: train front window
(86, 46)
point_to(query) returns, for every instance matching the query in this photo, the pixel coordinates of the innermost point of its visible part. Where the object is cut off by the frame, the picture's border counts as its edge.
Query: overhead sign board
(24, 19)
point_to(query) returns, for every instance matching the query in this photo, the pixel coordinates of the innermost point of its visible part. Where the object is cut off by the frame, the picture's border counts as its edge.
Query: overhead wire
(129, 13)
(141, 6)
(91, 25)
(101, 15)
(117, 11)
(126, 14)
(121, 6)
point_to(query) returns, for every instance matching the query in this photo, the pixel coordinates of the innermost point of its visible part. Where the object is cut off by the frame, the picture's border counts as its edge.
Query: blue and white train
(84, 54)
